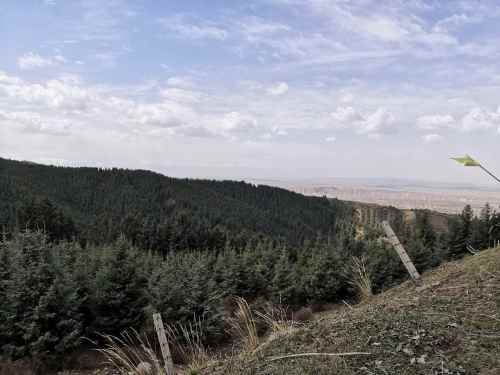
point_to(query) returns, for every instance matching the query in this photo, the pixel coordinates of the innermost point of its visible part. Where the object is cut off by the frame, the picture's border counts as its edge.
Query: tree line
(96, 206)
(54, 293)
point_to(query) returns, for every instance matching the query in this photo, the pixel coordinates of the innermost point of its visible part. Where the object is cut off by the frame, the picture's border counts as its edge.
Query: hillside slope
(452, 326)
(157, 211)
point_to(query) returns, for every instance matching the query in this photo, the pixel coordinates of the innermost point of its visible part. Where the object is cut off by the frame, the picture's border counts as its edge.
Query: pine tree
(461, 232)
(119, 297)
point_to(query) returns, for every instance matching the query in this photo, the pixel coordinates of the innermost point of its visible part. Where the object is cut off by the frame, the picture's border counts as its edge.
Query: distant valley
(404, 194)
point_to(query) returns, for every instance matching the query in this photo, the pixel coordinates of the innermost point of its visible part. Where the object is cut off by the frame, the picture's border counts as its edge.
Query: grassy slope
(451, 327)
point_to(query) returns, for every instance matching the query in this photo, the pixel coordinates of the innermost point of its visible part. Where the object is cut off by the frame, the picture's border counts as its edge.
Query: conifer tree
(119, 297)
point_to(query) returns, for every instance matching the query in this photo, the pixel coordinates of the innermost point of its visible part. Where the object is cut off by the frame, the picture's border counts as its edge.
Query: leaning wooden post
(162, 338)
(394, 241)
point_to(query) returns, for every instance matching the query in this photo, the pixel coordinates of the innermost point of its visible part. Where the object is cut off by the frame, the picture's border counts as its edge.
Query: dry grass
(450, 327)
(187, 341)
(243, 326)
(131, 354)
(361, 278)
(276, 320)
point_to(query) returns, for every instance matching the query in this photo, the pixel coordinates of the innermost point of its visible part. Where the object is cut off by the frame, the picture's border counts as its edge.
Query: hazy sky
(263, 88)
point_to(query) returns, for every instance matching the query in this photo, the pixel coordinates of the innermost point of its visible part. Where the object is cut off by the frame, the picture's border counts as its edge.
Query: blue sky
(264, 89)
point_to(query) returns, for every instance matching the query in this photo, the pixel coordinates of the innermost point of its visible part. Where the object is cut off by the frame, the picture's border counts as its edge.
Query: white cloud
(181, 82)
(331, 139)
(431, 138)
(347, 98)
(278, 89)
(234, 124)
(197, 29)
(345, 116)
(55, 94)
(181, 95)
(433, 122)
(257, 26)
(383, 28)
(455, 21)
(33, 61)
(380, 121)
(163, 114)
(31, 122)
(375, 123)
(478, 119)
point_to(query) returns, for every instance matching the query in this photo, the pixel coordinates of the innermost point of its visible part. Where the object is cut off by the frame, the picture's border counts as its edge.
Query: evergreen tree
(461, 232)
(119, 298)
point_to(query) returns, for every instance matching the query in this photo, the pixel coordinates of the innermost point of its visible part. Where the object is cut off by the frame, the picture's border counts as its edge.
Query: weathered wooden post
(165, 349)
(403, 255)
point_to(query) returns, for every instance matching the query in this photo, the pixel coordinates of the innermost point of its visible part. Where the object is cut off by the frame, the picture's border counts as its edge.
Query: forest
(90, 251)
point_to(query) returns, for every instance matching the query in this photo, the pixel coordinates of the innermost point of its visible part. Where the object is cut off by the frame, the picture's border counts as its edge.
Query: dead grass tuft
(243, 326)
(187, 341)
(361, 278)
(131, 354)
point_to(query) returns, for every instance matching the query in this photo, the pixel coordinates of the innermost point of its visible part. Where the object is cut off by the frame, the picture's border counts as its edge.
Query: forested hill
(155, 211)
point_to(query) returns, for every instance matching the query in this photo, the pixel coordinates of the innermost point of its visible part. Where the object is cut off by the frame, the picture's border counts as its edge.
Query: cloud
(278, 89)
(31, 122)
(347, 98)
(55, 94)
(478, 119)
(32, 60)
(433, 122)
(380, 121)
(254, 26)
(375, 123)
(181, 81)
(431, 138)
(235, 124)
(455, 21)
(331, 139)
(383, 28)
(344, 116)
(181, 95)
(164, 114)
(196, 29)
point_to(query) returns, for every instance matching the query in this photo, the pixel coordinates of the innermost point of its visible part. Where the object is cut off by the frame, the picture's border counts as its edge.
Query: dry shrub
(242, 325)
(361, 278)
(131, 354)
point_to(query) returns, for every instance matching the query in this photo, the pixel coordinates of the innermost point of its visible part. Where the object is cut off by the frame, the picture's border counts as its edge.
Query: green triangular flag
(467, 161)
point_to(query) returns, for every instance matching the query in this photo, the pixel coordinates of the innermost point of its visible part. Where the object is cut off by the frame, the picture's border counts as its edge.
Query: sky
(253, 89)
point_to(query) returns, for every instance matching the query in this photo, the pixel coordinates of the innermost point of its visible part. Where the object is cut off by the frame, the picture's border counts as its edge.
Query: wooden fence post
(403, 255)
(165, 349)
